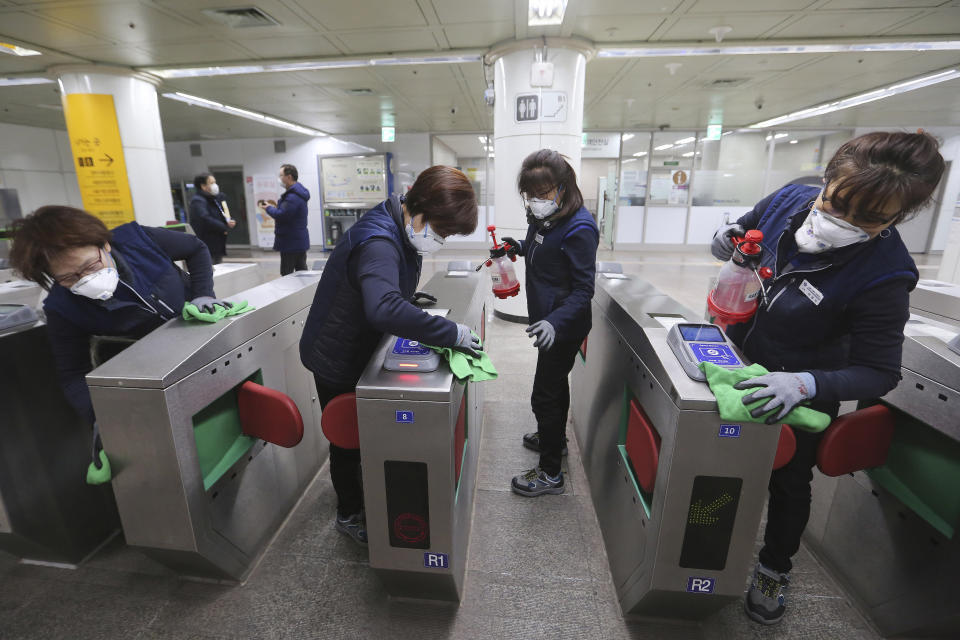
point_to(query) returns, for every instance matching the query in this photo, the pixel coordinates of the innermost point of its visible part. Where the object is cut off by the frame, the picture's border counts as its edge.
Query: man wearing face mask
(831, 327)
(114, 283)
(207, 216)
(290, 236)
(368, 289)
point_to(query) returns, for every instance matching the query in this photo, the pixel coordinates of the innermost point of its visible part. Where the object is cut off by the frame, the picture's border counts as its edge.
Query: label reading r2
(405, 416)
(700, 585)
(729, 431)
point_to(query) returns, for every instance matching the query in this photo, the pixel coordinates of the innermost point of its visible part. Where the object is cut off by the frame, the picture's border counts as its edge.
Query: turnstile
(420, 439)
(192, 490)
(230, 278)
(891, 534)
(47, 512)
(678, 492)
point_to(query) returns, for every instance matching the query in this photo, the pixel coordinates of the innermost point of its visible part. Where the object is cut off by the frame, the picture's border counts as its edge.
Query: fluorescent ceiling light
(545, 12)
(242, 113)
(781, 135)
(794, 141)
(684, 141)
(14, 50)
(769, 138)
(627, 136)
(640, 154)
(862, 98)
(629, 160)
(670, 51)
(482, 139)
(311, 65)
(20, 81)
(689, 154)
(662, 147)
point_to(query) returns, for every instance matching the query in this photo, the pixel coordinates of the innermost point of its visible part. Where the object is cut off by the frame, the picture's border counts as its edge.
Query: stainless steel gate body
(147, 399)
(418, 510)
(683, 549)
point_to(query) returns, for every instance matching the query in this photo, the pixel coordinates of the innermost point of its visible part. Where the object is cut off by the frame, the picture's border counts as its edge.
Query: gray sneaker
(532, 441)
(355, 526)
(766, 602)
(536, 482)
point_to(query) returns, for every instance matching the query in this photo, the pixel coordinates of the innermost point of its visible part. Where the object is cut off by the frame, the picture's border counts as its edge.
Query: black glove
(508, 247)
(424, 299)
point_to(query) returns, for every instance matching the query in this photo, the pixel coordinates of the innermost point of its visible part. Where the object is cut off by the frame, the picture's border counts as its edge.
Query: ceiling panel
(389, 41)
(31, 64)
(122, 54)
(616, 28)
(830, 24)
(290, 46)
(291, 18)
(43, 32)
(113, 22)
(882, 4)
(943, 22)
(745, 26)
(746, 66)
(458, 11)
(365, 14)
(749, 6)
(624, 7)
(202, 51)
(478, 34)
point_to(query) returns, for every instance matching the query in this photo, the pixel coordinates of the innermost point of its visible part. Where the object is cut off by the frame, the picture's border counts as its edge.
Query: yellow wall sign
(98, 157)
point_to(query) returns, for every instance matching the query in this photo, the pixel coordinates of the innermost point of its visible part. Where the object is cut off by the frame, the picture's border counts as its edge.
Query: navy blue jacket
(561, 266)
(207, 221)
(144, 258)
(838, 314)
(290, 234)
(365, 292)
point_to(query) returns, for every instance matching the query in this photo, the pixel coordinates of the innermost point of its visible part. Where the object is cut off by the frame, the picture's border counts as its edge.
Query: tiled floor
(536, 568)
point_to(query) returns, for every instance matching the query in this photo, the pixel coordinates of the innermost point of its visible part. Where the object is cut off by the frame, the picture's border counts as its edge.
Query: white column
(516, 133)
(138, 116)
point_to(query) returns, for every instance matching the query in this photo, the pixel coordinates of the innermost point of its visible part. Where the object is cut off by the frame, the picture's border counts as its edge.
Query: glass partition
(671, 167)
(802, 156)
(472, 153)
(730, 171)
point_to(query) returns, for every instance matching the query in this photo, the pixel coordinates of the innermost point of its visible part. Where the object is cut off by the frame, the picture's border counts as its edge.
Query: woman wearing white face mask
(207, 216)
(367, 289)
(117, 283)
(832, 325)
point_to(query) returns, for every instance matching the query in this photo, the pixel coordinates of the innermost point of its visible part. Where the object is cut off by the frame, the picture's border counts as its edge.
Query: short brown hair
(546, 169)
(290, 170)
(47, 232)
(877, 168)
(446, 199)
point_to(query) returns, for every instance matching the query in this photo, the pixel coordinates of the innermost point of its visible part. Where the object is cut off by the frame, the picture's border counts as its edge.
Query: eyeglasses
(71, 279)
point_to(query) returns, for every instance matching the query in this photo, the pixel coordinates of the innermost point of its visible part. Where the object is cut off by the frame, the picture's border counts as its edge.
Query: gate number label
(436, 561)
(729, 431)
(404, 416)
(700, 585)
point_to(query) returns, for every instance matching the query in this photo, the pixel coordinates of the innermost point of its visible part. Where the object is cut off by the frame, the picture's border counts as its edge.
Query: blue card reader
(410, 355)
(696, 343)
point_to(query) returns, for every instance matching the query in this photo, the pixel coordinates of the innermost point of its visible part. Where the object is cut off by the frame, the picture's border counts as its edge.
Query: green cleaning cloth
(101, 475)
(730, 400)
(191, 312)
(466, 367)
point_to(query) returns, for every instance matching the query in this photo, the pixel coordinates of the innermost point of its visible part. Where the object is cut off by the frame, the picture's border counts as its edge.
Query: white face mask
(424, 241)
(99, 285)
(821, 232)
(280, 180)
(214, 189)
(541, 208)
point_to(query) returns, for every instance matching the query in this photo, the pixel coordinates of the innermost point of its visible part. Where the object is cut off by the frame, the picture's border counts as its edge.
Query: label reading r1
(405, 416)
(729, 431)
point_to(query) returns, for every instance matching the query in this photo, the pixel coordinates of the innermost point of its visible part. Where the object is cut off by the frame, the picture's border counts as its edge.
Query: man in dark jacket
(207, 216)
(290, 236)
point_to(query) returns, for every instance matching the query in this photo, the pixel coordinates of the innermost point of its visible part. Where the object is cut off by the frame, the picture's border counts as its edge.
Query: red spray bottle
(736, 296)
(502, 273)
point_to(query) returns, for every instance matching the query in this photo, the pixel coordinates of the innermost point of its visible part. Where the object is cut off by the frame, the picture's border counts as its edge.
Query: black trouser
(216, 259)
(788, 508)
(291, 261)
(551, 401)
(344, 463)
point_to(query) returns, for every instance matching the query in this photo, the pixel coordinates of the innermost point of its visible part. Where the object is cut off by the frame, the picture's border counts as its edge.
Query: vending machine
(349, 187)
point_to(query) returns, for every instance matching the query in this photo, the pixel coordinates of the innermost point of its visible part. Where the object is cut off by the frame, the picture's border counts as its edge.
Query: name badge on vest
(811, 292)
(538, 238)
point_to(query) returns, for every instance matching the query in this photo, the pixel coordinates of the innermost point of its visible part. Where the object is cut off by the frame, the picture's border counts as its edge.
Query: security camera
(758, 103)
(453, 111)
(663, 127)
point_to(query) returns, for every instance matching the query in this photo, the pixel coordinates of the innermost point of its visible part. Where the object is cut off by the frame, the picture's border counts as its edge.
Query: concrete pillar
(125, 180)
(528, 118)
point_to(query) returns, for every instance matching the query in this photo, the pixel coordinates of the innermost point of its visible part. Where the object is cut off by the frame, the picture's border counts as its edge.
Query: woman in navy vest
(114, 283)
(831, 325)
(560, 253)
(367, 289)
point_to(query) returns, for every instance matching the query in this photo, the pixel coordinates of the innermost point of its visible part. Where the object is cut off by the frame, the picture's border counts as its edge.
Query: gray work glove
(544, 332)
(205, 304)
(786, 390)
(722, 245)
(467, 341)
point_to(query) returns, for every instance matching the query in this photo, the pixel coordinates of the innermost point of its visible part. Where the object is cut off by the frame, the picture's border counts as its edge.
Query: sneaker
(535, 482)
(766, 602)
(532, 441)
(354, 526)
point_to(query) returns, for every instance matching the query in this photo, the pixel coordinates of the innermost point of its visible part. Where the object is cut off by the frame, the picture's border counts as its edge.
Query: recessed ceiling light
(662, 147)
(627, 136)
(15, 50)
(545, 12)
(781, 135)
(640, 154)
(794, 141)
(689, 154)
(684, 141)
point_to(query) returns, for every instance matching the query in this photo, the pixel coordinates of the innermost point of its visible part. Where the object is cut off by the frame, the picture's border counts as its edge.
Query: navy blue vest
(337, 340)
(148, 270)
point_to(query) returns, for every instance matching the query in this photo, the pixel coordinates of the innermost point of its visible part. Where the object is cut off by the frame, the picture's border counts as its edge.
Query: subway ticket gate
(420, 431)
(891, 534)
(230, 278)
(47, 512)
(678, 492)
(196, 488)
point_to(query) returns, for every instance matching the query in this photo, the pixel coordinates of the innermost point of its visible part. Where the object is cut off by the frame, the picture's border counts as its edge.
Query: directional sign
(98, 156)
(710, 519)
